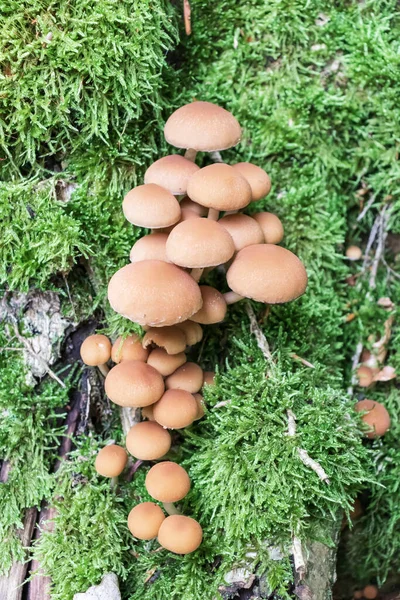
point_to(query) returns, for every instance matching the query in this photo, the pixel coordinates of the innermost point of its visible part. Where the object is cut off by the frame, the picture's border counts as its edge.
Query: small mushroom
(244, 230)
(167, 482)
(209, 378)
(148, 441)
(188, 377)
(172, 173)
(129, 348)
(192, 331)
(96, 351)
(370, 591)
(220, 187)
(257, 178)
(144, 520)
(377, 417)
(150, 247)
(365, 376)
(187, 203)
(271, 227)
(180, 534)
(134, 383)
(213, 309)
(111, 461)
(176, 409)
(155, 293)
(353, 253)
(200, 406)
(357, 595)
(165, 363)
(151, 206)
(171, 338)
(147, 412)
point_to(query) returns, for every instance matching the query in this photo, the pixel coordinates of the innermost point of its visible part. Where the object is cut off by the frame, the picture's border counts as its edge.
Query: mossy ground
(315, 87)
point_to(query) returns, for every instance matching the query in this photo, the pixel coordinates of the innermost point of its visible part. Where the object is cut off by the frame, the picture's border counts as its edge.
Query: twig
(187, 17)
(389, 268)
(383, 221)
(370, 242)
(223, 403)
(366, 208)
(299, 562)
(305, 362)
(303, 454)
(70, 298)
(354, 364)
(262, 342)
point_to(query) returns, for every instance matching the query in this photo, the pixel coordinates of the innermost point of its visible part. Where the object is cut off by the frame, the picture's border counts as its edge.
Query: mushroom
(188, 377)
(176, 409)
(172, 173)
(244, 230)
(180, 534)
(192, 331)
(150, 247)
(370, 591)
(209, 378)
(96, 351)
(271, 227)
(134, 383)
(202, 127)
(354, 253)
(266, 273)
(111, 461)
(151, 206)
(257, 178)
(171, 338)
(365, 376)
(200, 406)
(148, 441)
(167, 482)
(144, 520)
(213, 309)
(377, 417)
(155, 293)
(187, 203)
(165, 363)
(147, 412)
(129, 348)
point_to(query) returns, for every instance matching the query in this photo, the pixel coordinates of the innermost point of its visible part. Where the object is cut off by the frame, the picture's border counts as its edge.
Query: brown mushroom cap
(377, 417)
(354, 253)
(180, 534)
(188, 377)
(176, 409)
(209, 378)
(271, 227)
(370, 591)
(172, 339)
(165, 363)
(200, 406)
(155, 293)
(150, 205)
(172, 173)
(148, 441)
(267, 273)
(187, 203)
(244, 230)
(150, 247)
(167, 482)
(257, 178)
(219, 186)
(192, 331)
(129, 348)
(199, 243)
(134, 383)
(96, 350)
(144, 520)
(111, 461)
(147, 412)
(365, 376)
(203, 126)
(213, 309)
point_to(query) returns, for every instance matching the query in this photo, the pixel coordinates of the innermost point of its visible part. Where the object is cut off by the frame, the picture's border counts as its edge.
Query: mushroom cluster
(192, 214)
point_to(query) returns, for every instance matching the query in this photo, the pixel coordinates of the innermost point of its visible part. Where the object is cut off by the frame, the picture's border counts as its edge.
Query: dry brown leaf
(385, 374)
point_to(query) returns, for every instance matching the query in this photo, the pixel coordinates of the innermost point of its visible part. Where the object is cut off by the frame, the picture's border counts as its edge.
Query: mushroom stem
(114, 482)
(213, 214)
(104, 369)
(191, 154)
(232, 297)
(171, 509)
(196, 274)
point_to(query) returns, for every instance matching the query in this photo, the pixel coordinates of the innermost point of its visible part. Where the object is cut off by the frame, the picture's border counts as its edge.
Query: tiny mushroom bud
(144, 520)
(150, 247)
(96, 351)
(167, 482)
(219, 186)
(258, 179)
(370, 591)
(198, 243)
(271, 227)
(189, 377)
(209, 378)
(172, 173)
(172, 339)
(192, 331)
(165, 363)
(200, 406)
(151, 206)
(148, 441)
(213, 309)
(353, 253)
(176, 409)
(365, 376)
(155, 293)
(134, 383)
(377, 417)
(357, 595)
(180, 534)
(111, 461)
(244, 230)
(129, 348)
